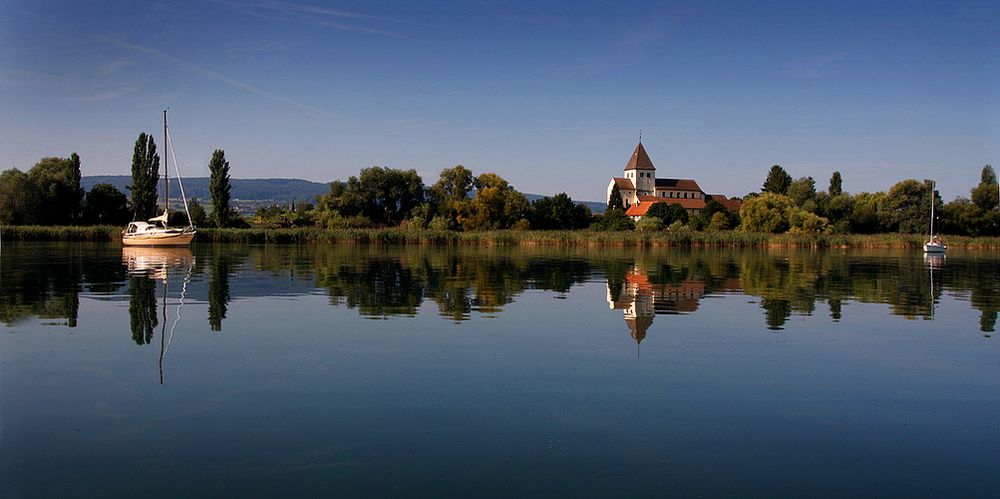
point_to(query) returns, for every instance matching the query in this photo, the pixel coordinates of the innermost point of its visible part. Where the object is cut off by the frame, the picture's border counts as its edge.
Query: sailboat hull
(935, 248)
(159, 239)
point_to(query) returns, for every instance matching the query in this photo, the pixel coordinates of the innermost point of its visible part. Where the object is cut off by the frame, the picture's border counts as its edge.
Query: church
(640, 189)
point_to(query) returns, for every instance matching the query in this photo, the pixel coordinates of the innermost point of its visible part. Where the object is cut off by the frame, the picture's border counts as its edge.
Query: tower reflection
(640, 298)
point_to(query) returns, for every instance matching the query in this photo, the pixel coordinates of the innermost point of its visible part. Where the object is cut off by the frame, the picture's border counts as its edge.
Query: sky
(550, 95)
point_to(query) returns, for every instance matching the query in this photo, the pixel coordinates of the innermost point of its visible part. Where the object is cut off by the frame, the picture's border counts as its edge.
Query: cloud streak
(817, 68)
(316, 15)
(105, 96)
(217, 76)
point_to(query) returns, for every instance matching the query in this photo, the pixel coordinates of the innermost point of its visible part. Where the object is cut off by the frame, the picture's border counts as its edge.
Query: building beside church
(640, 189)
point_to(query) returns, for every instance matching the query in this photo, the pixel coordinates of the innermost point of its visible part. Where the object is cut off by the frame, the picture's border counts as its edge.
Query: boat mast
(166, 171)
(932, 211)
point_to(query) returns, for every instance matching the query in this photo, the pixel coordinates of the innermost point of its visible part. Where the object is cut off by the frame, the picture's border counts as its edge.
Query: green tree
(77, 192)
(614, 220)
(766, 213)
(219, 188)
(615, 201)
(836, 185)
(906, 208)
(496, 205)
(454, 184)
(837, 209)
(145, 176)
(985, 194)
(57, 190)
(449, 196)
(649, 224)
(105, 205)
(385, 196)
(558, 212)
(864, 215)
(777, 182)
(960, 217)
(803, 222)
(18, 199)
(719, 221)
(198, 216)
(668, 213)
(803, 193)
(712, 207)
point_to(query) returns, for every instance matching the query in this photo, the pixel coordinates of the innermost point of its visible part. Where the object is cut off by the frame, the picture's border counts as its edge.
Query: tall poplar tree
(615, 202)
(219, 188)
(145, 176)
(77, 190)
(836, 184)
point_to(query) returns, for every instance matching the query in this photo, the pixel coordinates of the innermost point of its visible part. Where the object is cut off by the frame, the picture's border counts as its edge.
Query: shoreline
(511, 238)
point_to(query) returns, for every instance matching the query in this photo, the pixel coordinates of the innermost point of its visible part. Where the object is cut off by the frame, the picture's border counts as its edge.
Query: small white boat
(156, 232)
(934, 244)
(935, 247)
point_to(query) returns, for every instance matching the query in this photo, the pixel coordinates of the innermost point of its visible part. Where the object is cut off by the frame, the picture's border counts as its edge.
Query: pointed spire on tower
(640, 160)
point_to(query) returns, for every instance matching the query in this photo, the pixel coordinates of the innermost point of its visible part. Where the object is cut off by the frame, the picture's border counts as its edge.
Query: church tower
(641, 172)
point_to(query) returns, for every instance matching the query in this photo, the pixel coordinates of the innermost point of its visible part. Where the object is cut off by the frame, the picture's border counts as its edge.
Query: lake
(233, 370)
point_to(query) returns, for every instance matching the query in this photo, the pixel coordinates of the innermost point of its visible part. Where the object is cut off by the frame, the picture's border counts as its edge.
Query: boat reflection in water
(146, 264)
(153, 262)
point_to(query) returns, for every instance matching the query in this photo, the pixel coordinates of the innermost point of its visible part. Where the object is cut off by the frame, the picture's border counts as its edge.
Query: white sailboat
(156, 232)
(934, 244)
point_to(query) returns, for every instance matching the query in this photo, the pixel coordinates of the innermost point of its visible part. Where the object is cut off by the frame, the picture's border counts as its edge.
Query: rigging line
(180, 303)
(180, 183)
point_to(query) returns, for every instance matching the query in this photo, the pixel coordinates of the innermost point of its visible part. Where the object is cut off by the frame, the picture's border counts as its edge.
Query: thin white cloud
(215, 75)
(314, 14)
(105, 96)
(816, 68)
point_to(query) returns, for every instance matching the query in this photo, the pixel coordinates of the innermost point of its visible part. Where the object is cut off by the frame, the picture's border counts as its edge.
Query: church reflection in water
(47, 281)
(640, 299)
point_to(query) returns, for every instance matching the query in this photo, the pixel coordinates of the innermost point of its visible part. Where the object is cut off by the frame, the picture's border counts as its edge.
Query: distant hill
(278, 190)
(253, 192)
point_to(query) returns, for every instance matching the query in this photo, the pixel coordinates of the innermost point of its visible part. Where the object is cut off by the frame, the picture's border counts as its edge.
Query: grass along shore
(509, 237)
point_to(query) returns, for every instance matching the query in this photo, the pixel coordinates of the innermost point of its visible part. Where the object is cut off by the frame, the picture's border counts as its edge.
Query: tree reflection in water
(218, 290)
(381, 281)
(142, 309)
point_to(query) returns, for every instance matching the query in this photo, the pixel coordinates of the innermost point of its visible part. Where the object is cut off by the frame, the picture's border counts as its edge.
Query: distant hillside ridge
(278, 190)
(262, 191)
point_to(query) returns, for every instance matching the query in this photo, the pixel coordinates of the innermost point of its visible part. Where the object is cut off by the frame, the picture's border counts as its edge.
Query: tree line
(794, 205)
(459, 200)
(49, 193)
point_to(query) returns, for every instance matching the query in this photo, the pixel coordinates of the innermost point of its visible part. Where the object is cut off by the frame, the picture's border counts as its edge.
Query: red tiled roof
(640, 209)
(678, 184)
(730, 204)
(639, 160)
(623, 183)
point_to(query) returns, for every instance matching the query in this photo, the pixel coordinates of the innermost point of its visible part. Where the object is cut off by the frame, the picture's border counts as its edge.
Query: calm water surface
(382, 371)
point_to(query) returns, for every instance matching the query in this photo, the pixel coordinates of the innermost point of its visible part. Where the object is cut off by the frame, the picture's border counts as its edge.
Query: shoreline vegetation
(585, 237)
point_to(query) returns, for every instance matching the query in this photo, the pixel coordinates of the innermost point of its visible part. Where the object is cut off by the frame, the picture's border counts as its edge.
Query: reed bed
(511, 237)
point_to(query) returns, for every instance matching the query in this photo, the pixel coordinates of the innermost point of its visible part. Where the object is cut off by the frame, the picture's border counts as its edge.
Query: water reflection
(146, 266)
(46, 280)
(640, 297)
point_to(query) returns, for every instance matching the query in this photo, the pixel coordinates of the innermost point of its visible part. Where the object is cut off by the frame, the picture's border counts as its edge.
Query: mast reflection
(145, 266)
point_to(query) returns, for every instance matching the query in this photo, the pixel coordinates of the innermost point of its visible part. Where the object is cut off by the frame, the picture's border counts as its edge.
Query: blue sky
(550, 95)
